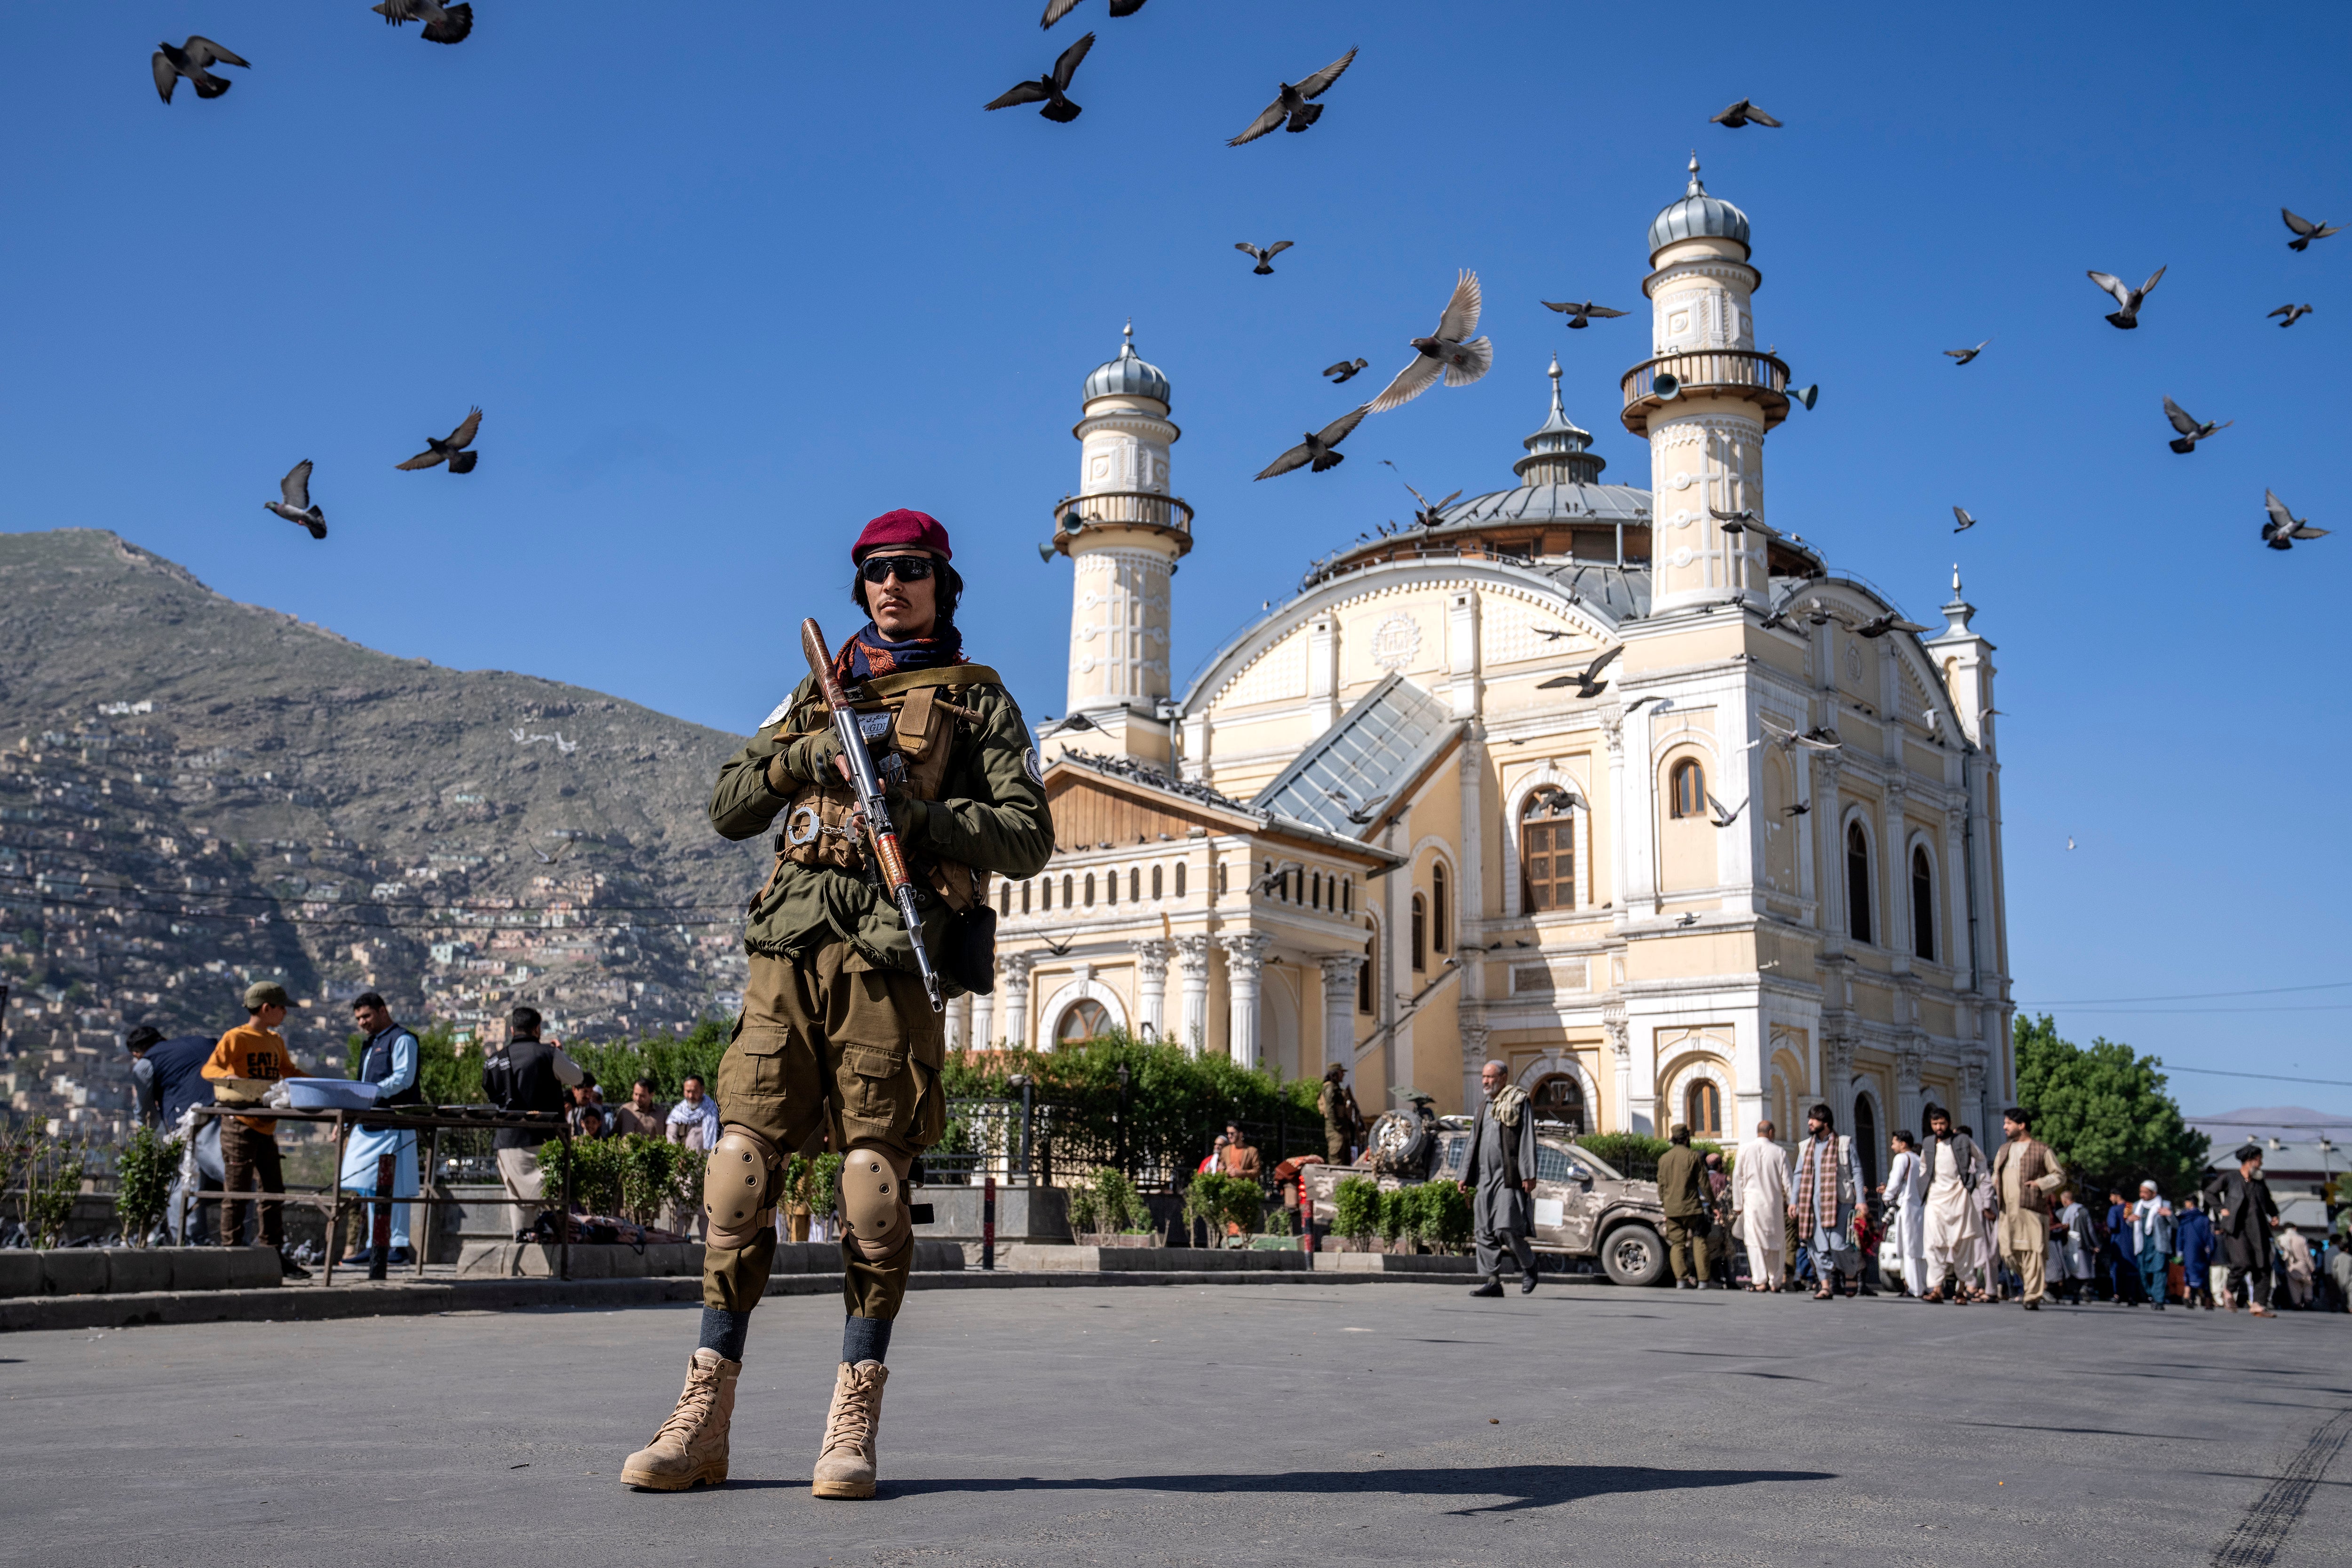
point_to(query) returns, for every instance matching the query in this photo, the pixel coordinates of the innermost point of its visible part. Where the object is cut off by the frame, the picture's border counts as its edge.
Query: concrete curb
(392, 1299)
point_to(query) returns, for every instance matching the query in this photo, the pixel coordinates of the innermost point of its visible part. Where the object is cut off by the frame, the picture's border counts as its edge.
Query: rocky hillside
(195, 792)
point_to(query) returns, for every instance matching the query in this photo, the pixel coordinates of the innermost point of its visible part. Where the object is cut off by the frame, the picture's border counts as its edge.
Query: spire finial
(1128, 345)
(1956, 579)
(1557, 411)
(1695, 188)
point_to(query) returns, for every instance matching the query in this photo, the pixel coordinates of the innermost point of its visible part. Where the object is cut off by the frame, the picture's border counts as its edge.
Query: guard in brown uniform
(836, 1034)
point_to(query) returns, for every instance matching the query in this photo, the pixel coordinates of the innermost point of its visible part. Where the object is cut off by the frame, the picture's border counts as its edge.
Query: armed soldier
(837, 1031)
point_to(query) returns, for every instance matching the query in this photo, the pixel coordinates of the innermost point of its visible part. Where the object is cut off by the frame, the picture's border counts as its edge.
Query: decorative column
(958, 1024)
(1829, 847)
(1474, 1057)
(983, 1015)
(1620, 1047)
(1152, 983)
(1013, 979)
(1895, 932)
(1837, 1077)
(1340, 1009)
(1908, 1062)
(1622, 910)
(1244, 957)
(1192, 975)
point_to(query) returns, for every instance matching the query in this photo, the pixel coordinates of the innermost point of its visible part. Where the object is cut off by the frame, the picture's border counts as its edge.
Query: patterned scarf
(1817, 1185)
(869, 653)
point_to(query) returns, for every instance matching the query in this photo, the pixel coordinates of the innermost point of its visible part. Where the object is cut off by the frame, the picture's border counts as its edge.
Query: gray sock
(864, 1339)
(723, 1332)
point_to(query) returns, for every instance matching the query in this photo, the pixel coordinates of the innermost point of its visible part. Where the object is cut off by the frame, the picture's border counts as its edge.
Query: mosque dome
(1131, 376)
(1697, 216)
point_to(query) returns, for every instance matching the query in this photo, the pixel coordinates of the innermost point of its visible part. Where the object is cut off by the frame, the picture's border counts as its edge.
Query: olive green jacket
(990, 815)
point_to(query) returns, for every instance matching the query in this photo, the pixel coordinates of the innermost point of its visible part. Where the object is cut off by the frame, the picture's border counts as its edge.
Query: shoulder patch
(1029, 765)
(781, 709)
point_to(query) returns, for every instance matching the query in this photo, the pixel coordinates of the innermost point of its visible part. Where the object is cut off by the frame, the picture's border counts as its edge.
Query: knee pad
(739, 1187)
(874, 1202)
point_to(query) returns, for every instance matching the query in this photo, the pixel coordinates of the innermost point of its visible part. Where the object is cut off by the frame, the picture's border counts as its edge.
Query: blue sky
(730, 279)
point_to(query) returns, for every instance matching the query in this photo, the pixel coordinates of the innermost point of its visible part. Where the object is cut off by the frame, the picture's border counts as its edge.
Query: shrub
(1637, 1153)
(1355, 1208)
(825, 1185)
(1220, 1201)
(1441, 1215)
(1121, 1207)
(53, 1173)
(143, 1175)
(1396, 1215)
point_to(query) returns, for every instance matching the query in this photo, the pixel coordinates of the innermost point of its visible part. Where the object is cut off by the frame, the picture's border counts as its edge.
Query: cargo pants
(829, 1042)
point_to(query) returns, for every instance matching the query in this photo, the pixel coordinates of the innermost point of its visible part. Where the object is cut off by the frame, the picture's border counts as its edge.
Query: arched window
(1135, 882)
(1066, 889)
(1085, 1020)
(1044, 893)
(1004, 900)
(1560, 1097)
(1923, 904)
(1420, 932)
(1547, 852)
(1689, 788)
(1347, 895)
(1156, 883)
(1222, 887)
(1364, 975)
(1703, 1109)
(1437, 907)
(1866, 1138)
(1180, 879)
(1110, 887)
(1024, 897)
(1857, 882)
(1091, 889)
(1315, 891)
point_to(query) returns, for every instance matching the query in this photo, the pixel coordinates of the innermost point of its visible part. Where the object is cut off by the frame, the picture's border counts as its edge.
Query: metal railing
(1047, 1144)
(1739, 371)
(1129, 509)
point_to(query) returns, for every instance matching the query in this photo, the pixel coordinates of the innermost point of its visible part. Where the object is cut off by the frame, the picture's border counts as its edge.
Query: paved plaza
(1147, 1427)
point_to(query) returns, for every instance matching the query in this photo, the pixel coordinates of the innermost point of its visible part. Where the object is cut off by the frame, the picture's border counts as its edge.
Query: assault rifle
(873, 806)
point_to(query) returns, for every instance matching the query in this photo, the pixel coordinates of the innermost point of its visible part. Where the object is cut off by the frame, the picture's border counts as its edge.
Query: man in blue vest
(389, 1061)
(167, 1077)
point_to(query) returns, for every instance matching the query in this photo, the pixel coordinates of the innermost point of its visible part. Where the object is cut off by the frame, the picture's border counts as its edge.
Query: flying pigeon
(2282, 529)
(1057, 10)
(1725, 816)
(1346, 370)
(1319, 448)
(2127, 316)
(189, 59)
(1587, 680)
(2191, 432)
(451, 451)
(1265, 267)
(1813, 740)
(443, 24)
(1430, 515)
(1050, 91)
(1578, 315)
(2306, 231)
(1631, 708)
(1742, 113)
(1966, 521)
(1964, 356)
(2293, 313)
(1797, 810)
(1292, 103)
(1688, 919)
(1450, 351)
(295, 505)
(1736, 521)
(1879, 626)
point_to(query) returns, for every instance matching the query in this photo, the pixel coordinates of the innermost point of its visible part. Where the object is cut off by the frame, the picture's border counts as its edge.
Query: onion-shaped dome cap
(1697, 216)
(1128, 375)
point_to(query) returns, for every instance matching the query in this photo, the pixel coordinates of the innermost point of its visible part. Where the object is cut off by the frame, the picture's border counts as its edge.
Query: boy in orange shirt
(249, 1143)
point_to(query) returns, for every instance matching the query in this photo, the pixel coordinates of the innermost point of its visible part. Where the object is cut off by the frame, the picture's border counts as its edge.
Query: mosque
(1389, 826)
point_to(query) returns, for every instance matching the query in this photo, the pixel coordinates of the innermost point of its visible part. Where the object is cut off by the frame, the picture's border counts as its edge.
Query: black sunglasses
(907, 568)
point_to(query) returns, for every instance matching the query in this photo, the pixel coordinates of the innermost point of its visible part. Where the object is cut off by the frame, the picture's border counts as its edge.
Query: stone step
(113, 1271)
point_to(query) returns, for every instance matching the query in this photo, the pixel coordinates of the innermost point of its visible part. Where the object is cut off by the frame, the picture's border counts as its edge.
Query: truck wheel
(1633, 1254)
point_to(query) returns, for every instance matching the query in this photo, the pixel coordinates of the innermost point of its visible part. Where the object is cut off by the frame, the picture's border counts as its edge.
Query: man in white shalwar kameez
(1954, 1234)
(389, 1061)
(1905, 1192)
(1760, 1187)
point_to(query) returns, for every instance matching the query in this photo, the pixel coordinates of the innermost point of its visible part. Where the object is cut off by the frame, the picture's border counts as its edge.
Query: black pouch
(969, 953)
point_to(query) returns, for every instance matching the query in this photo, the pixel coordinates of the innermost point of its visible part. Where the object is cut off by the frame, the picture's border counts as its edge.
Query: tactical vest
(908, 721)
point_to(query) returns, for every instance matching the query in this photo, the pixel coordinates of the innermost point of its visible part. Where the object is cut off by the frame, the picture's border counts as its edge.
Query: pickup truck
(1584, 1208)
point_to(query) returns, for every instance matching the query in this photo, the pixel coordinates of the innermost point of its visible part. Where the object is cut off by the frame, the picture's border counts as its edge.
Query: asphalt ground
(1292, 1423)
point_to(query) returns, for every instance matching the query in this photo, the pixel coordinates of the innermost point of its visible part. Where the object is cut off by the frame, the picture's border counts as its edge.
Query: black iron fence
(1066, 1139)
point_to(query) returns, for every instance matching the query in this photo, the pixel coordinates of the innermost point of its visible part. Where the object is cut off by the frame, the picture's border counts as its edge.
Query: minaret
(1704, 402)
(1123, 531)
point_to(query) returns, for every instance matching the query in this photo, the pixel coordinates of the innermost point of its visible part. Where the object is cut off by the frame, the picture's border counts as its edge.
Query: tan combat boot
(845, 1465)
(692, 1444)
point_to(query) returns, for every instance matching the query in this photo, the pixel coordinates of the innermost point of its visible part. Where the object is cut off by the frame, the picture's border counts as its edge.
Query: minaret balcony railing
(1742, 373)
(1148, 511)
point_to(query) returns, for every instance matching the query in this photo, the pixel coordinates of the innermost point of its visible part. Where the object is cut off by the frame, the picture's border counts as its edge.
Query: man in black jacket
(2244, 1215)
(167, 1077)
(525, 1074)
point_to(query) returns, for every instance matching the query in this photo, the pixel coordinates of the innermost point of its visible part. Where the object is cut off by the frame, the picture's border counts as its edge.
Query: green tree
(2103, 1109)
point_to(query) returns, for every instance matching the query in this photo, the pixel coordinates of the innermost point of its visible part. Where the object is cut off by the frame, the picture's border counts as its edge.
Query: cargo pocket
(874, 1083)
(931, 1107)
(753, 1066)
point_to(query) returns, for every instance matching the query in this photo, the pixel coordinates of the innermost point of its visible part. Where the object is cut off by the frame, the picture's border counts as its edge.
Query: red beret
(902, 527)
